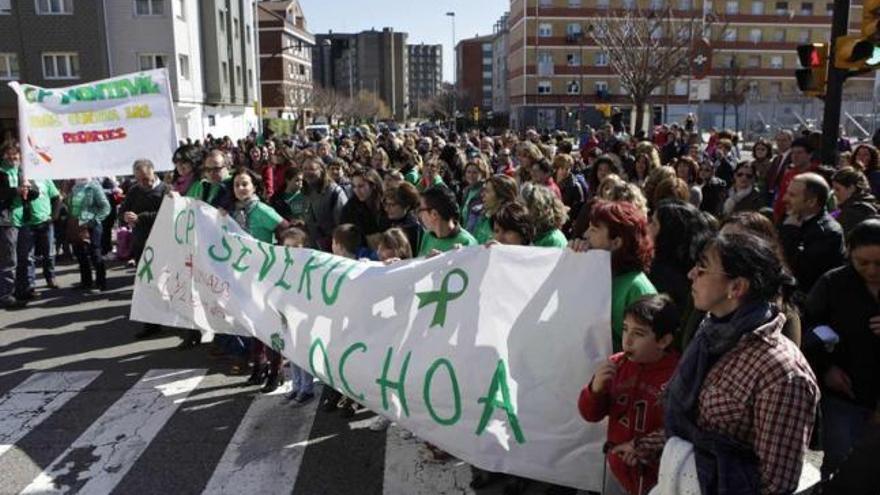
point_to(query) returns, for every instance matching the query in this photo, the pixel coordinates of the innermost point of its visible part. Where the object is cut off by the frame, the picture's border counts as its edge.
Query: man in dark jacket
(139, 209)
(10, 205)
(141, 204)
(812, 240)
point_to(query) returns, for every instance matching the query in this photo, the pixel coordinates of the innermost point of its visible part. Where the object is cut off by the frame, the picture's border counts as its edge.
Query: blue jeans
(35, 243)
(303, 382)
(8, 259)
(843, 424)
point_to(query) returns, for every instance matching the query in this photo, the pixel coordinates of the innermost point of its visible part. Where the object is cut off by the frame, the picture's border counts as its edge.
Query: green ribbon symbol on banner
(147, 268)
(277, 342)
(442, 297)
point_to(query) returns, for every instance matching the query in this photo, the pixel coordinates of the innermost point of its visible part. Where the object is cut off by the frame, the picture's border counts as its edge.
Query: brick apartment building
(474, 75)
(551, 56)
(286, 60)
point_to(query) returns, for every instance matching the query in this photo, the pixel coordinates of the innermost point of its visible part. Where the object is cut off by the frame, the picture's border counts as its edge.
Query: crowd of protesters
(745, 315)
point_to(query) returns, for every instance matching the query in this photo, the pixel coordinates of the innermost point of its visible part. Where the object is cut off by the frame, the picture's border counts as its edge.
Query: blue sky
(424, 20)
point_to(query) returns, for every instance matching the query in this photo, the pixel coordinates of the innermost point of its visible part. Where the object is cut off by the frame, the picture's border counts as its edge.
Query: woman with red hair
(621, 228)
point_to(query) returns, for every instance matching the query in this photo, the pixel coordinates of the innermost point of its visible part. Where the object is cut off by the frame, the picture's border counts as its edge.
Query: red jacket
(633, 405)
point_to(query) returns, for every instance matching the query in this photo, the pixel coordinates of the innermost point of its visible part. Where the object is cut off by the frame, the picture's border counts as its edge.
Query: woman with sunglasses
(744, 195)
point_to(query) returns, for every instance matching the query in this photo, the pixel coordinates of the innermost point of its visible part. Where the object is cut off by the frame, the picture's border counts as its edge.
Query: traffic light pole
(834, 91)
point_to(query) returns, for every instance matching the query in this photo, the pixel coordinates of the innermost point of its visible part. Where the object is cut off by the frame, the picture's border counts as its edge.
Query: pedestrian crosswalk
(266, 447)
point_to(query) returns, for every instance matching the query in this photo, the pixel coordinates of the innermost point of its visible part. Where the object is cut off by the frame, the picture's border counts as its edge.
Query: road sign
(701, 59)
(701, 90)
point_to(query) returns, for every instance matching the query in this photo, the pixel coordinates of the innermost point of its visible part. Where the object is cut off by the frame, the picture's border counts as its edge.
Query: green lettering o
(354, 347)
(456, 394)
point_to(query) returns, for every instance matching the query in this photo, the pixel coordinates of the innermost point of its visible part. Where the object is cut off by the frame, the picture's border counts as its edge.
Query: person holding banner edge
(10, 207)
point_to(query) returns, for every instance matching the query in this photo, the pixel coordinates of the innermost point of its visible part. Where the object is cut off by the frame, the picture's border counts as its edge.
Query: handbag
(76, 233)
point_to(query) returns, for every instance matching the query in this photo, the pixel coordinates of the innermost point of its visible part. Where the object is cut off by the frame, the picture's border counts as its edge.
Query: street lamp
(451, 15)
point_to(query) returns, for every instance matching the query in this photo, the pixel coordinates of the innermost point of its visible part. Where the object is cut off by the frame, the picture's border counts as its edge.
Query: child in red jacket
(627, 389)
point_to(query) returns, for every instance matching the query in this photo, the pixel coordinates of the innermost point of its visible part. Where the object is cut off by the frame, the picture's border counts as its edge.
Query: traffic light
(859, 52)
(812, 78)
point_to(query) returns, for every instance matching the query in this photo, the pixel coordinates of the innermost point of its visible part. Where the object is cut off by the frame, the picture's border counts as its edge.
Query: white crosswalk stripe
(265, 453)
(35, 399)
(104, 453)
(266, 449)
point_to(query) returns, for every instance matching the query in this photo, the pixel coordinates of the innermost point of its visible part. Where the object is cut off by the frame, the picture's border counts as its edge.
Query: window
(804, 36)
(302, 70)
(573, 59)
(680, 88)
(776, 62)
(685, 4)
(60, 66)
(248, 31)
(829, 8)
(779, 35)
(601, 4)
(573, 29)
(753, 62)
(544, 87)
(250, 78)
(601, 88)
(9, 66)
(776, 88)
(224, 68)
(730, 34)
(290, 69)
(545, 30)
(5, 7)
(238, 75)
(629, 4)
(657, 4)
(149, 7)
(222, 16)
(731, 7)
(753, 88)
(546, 3)
(601, 59)
(577, 3)
(807, 8)
(181, 9)
(183, 66)
(236, 29)
(757, 8)
(573, 87)
(148, 61)
(54, 7)
(781, 8)
(755, 35)
(545, 64)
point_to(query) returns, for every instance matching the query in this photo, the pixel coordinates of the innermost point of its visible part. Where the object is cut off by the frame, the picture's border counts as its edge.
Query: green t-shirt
(412, 177)
(470, 195)
(16, 209)
(195, 190)
(297, 204)
(41, 207)
(483, 232)
(625, 289)
(555, 239)
(262, 222)
(437, 181)
(431, 242)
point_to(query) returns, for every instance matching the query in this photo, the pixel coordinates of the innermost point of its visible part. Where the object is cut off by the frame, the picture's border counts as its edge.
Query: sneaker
(302, 399)
(381, 423)
(10, 302)
(51, 284)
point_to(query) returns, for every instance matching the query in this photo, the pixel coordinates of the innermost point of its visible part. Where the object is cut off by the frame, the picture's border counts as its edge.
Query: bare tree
(326, 103)
(733, 91)
(367, 105)
(442, 105)
(649, 48)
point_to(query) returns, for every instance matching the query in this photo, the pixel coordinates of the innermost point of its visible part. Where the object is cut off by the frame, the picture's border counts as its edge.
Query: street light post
(454, 74)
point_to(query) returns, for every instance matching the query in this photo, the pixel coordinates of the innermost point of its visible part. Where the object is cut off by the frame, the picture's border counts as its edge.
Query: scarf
(735, 197)
(242, 211)
(725, 466)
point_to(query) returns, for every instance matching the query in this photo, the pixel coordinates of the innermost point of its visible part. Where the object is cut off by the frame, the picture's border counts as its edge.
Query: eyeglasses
(745, 175)
(701, 269)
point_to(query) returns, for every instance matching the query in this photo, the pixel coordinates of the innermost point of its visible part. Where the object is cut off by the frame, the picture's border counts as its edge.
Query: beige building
(557, 74)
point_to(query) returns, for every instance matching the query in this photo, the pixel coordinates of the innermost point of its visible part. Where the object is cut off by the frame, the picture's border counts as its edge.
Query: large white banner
(481, 351)
(98, 128)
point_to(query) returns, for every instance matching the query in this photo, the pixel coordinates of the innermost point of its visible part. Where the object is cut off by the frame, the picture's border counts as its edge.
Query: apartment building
(374, 61)
(558, 75)
(500, 49)
(474, 63)
(51, 44)
(425, 73)
(286, 48)
(208, 47)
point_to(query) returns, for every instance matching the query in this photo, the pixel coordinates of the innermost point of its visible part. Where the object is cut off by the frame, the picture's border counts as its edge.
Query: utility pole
(834, 91)
(451, 15)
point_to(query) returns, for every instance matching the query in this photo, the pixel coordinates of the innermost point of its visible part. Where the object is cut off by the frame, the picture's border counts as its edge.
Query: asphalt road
(86, 408)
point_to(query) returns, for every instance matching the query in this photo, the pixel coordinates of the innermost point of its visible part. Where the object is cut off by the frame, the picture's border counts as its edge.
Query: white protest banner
(481, 351)
(96, 129)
